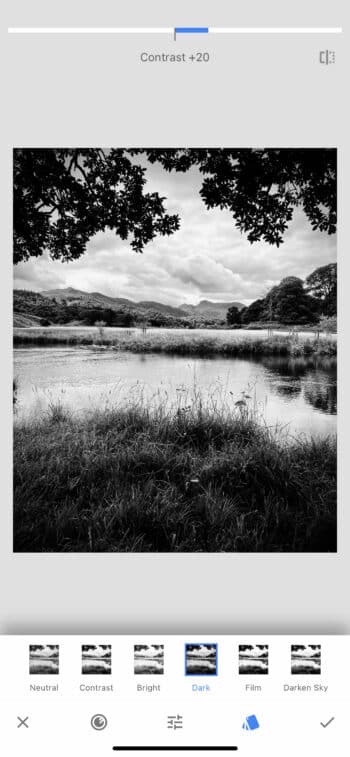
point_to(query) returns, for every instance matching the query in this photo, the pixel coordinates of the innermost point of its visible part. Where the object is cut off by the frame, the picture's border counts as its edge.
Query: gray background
(88, 91)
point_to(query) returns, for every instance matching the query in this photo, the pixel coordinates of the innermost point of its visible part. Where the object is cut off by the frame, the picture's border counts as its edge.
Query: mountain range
(205, 308)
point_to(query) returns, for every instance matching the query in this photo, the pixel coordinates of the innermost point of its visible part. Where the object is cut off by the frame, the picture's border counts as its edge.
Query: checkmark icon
(325, 725)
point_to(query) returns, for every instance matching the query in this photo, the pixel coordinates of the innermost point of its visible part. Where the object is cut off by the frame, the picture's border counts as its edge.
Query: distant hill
(160, 307)
(96, 299)
(63, 293)
(93, 299)
(206, 307)
(69, 305)
(217, 310)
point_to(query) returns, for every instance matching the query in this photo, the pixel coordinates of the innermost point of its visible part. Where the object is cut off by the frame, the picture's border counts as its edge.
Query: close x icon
(23, 722)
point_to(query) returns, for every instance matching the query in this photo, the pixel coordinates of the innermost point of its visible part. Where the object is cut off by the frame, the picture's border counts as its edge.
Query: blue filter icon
(251, 723)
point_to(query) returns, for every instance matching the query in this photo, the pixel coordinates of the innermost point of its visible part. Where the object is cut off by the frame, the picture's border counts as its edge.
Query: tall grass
(191, 480)
(14, 391)
(184, 343)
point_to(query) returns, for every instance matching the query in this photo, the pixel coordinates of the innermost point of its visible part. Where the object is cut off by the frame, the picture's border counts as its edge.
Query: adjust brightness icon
(99, 722)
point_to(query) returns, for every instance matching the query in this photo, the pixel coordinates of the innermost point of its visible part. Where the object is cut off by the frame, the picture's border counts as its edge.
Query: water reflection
(299, 393)
(320, 394)
(314, 377)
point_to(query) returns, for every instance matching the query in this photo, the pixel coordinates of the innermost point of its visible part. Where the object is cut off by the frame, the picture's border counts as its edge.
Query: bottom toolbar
(268, 695)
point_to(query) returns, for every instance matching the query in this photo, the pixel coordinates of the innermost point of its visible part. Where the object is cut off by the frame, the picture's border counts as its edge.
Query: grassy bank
(184, 343)
(144, 481)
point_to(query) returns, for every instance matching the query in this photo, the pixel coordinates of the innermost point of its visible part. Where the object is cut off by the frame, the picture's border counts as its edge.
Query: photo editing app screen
(174, 526)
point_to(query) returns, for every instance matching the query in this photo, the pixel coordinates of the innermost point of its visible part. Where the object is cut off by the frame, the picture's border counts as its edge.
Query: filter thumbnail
(44, 659)
(96, 659)
(201, 659)
(253, 659)
(148, 659)
(306, 659)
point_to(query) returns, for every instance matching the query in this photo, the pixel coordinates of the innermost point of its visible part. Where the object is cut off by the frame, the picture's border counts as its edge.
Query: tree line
(52, 311)
(293, 301)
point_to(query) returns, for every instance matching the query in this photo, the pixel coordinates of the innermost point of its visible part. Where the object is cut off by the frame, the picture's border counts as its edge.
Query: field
(180, 343)
(150, 480)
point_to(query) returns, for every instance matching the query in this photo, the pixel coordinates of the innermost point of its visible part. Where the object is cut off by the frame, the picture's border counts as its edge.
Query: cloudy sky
(201, 650)
(50, 650)
(253, 650)
(148, 650)
(207, 258)
(93, 650)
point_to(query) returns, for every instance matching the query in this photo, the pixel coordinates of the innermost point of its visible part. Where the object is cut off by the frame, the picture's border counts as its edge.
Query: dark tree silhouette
(262, 187)
(322, 284)
(62, 197)
(289, 303)
(253, 312)
(233, 316)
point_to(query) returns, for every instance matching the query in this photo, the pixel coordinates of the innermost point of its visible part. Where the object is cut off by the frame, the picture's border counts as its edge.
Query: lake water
(144, 665)
(298, 393)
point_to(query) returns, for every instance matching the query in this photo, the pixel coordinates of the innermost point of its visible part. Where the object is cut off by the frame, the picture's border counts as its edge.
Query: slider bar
(175, 748)
(191, 29)
(172, 30)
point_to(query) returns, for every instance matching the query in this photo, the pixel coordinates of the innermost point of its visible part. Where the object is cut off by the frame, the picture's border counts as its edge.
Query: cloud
(203, 650)
(308, 651)
(148, 650)
(39, 273)
(96, 651)
(255, 650)
(44, 651)
(208, 258)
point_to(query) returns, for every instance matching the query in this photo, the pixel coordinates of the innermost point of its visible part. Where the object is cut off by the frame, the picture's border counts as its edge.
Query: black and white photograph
(44, 659)
(306, 659)
(253, 659)
(149, 659)
(201, 659)
(175, 350)
(96, 659)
